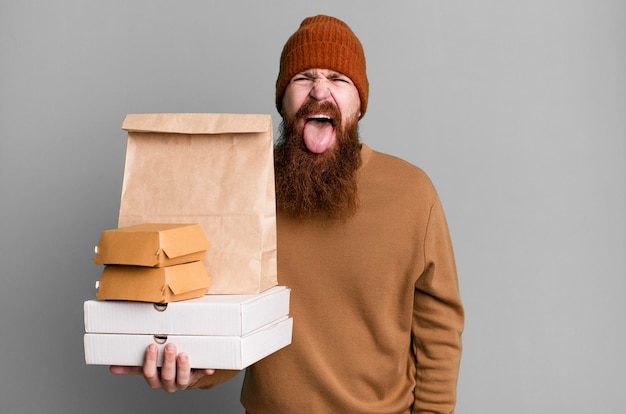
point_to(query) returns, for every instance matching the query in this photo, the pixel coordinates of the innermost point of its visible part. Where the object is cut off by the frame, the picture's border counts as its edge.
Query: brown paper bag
(216, 170)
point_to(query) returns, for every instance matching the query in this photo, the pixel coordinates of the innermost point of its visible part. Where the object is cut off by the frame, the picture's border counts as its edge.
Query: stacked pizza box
(153, 289)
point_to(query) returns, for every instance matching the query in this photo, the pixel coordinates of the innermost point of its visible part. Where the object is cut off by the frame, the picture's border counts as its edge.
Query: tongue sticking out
(318, 135)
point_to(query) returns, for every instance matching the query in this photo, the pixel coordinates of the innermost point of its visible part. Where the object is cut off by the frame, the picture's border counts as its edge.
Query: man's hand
(174, 375)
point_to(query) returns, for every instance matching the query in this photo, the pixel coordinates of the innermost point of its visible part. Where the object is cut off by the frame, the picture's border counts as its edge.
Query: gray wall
(516, 109)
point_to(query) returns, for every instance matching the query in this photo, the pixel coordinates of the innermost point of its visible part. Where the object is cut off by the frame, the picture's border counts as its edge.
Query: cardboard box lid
(153, 284)
(152, 244)
(197, 123)
(219, 352)
(209, 315)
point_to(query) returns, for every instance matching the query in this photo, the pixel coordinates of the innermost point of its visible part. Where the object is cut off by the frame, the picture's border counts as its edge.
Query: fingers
(184, 371)
(197, 374)
(124, 370)
(150, 372)
(186, 375)
(175, 372)
(169, 370)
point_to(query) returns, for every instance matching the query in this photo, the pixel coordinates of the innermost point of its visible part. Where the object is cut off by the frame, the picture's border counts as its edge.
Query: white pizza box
(219, 352)
(212, 314)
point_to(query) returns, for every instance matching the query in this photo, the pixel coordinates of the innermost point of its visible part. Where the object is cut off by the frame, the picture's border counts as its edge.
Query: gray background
(516, 109)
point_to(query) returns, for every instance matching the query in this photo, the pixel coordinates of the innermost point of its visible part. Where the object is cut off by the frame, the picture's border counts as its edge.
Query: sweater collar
(366, 155)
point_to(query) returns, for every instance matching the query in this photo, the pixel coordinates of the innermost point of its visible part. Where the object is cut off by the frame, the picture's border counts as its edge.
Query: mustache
(312, 107)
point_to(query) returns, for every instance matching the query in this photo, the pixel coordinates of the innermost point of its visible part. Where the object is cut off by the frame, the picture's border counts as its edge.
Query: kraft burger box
(216, 170)
(217, 331)
(152, 245)
(153, 284)
(152, 262)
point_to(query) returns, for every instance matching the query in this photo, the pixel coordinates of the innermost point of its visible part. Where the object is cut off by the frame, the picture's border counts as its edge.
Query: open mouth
(321, 118)
(319, 132)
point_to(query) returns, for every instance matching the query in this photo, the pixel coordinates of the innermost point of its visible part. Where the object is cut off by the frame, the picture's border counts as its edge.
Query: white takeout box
(207, 315)
(220, 352)
(217, 331)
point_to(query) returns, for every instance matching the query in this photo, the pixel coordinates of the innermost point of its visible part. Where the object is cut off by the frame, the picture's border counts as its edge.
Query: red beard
(317, 185)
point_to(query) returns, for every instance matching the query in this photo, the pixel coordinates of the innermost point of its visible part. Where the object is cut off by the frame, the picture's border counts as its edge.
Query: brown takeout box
(152, 244)
(153, 284)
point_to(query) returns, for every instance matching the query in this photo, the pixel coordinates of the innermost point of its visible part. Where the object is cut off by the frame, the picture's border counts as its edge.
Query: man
(363, 244)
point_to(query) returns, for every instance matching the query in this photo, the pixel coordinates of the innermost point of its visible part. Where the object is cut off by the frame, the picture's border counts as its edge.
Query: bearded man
(364, 246)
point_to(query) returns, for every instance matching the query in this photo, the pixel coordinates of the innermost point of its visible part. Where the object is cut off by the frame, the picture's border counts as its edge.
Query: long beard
(317, 185)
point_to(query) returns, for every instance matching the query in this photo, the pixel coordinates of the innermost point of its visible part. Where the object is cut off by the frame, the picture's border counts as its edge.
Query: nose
(320, 89)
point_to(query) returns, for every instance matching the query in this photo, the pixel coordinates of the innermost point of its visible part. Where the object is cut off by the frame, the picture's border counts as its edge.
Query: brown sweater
(376, 307)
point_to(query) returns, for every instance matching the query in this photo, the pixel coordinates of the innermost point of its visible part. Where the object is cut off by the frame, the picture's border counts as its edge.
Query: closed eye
(341, 79)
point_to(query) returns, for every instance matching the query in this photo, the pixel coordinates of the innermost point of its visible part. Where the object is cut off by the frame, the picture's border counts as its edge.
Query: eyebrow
(308, 73)
(331, 73)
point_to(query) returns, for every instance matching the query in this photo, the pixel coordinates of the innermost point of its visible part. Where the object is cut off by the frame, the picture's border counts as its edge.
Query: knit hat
(327, 43)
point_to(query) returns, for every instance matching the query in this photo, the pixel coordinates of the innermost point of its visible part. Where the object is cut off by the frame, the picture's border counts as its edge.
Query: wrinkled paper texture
(213, 169)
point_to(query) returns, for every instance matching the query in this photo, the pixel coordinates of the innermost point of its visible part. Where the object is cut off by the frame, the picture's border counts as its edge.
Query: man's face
(327, 101)
(318, 152)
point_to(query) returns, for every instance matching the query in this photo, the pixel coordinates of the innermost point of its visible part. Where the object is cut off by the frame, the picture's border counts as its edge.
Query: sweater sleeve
(209, 381)
(438, 319)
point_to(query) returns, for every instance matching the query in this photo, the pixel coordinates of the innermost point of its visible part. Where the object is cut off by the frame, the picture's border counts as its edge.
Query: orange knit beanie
(327, 43)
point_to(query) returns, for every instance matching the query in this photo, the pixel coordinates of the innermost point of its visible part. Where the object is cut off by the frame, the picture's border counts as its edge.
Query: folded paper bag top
(198, 123)
(152, 245)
